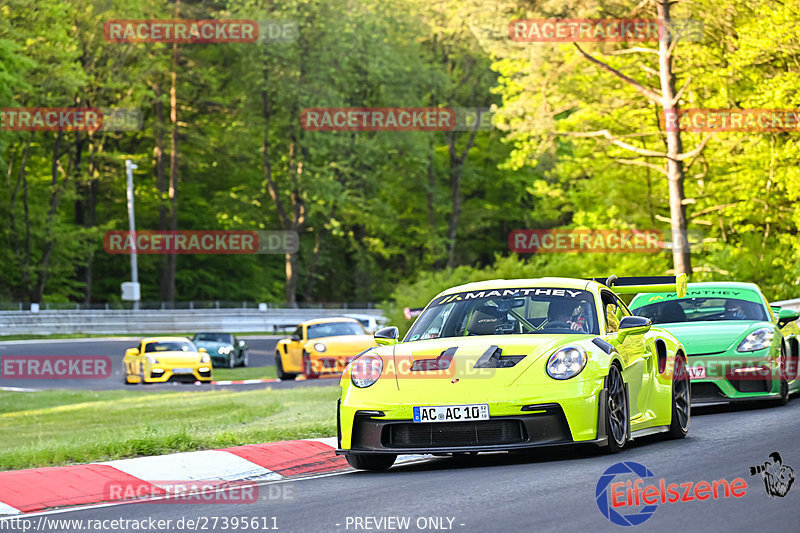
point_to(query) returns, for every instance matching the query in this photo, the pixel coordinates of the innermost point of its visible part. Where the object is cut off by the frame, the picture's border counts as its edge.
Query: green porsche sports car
(739, 347)
(512, 364)
(226, 350)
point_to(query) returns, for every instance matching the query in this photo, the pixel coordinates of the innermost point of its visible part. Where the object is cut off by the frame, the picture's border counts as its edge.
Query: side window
(622, 309)
(298, 332)
(612, 311)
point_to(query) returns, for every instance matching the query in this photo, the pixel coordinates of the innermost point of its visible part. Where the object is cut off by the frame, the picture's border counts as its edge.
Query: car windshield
(214, 337)
(334, 329)
(170, 346)
(507, 312)
(702, 310)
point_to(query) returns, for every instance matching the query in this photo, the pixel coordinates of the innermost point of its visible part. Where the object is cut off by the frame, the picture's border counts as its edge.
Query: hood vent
(493, 358)
(440, 363)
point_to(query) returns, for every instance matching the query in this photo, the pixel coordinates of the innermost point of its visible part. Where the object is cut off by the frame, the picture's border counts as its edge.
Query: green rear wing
(638, 284)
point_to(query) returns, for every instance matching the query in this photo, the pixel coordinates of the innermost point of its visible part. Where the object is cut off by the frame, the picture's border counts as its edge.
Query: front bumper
(545, 428)
(736, 376)
(161, 373)
(571, 416)
(220, 359)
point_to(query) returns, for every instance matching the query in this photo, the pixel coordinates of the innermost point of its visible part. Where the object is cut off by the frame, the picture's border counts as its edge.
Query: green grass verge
(253, 372)
(66, 427)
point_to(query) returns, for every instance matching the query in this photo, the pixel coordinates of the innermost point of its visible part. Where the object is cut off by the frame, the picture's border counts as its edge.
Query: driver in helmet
(560, 313)
(734, 310)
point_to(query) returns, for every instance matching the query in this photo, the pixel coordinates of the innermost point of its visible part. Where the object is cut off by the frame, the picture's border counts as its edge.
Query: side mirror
(633, 325)
(387, 336)
(295, 337)
(132, 352)
(202, 350)
(786, 316)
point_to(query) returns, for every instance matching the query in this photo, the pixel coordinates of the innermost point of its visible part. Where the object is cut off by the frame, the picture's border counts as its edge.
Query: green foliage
(378, 205)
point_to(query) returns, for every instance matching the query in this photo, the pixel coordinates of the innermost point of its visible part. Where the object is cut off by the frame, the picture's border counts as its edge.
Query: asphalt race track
(547, 492)
(261, 353)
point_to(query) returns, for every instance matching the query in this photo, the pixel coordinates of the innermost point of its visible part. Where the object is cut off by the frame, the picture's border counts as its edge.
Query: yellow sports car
(163, 359)
(321, 348)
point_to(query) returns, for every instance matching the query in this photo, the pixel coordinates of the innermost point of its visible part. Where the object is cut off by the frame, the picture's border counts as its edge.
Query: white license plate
(181, 370)
(451, 413)
(696, 372)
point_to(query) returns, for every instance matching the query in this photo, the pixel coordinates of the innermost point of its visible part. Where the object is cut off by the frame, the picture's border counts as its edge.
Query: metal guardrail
(197, 304)
(167, 321)
(789, 304)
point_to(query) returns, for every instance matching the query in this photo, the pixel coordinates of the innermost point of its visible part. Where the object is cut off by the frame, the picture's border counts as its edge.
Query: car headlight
(152, 360)
(756, 340)
(366, 370)
(320, 347)
(224, 350)
(566, 363)
(205, 358)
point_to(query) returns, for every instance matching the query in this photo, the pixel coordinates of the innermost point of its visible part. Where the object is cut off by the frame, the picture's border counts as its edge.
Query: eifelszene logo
(778, 477)
(630, 493)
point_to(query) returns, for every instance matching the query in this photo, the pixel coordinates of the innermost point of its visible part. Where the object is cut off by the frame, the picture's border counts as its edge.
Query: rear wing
(637, 284)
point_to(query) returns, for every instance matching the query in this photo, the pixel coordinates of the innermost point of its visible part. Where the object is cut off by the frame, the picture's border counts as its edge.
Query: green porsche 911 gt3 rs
(739, 347)
(511, 364)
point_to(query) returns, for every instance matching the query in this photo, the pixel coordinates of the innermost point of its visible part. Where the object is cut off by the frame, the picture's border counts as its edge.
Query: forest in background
(389, 216)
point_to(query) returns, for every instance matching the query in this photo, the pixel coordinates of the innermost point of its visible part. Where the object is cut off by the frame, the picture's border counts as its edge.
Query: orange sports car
(321, 348)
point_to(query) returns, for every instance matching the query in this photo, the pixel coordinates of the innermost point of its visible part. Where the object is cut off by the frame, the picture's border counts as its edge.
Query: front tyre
(279, 369)
(616, 411)
(784, 384)
(375, 463)
(142, 379)
(681, 401)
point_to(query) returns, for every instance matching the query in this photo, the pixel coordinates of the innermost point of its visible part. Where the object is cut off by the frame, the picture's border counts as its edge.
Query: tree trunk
(290, 221)
(291, 279)
(680, 245)
(161, 185)
(22, 259)
(93, 188)
(91, 209)
(667, 99)
(49, 243)
(456, 168)
(172, 263)
(431, 193)
(82, 205)
(26, 261)
(312, 265)
(455, 216)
